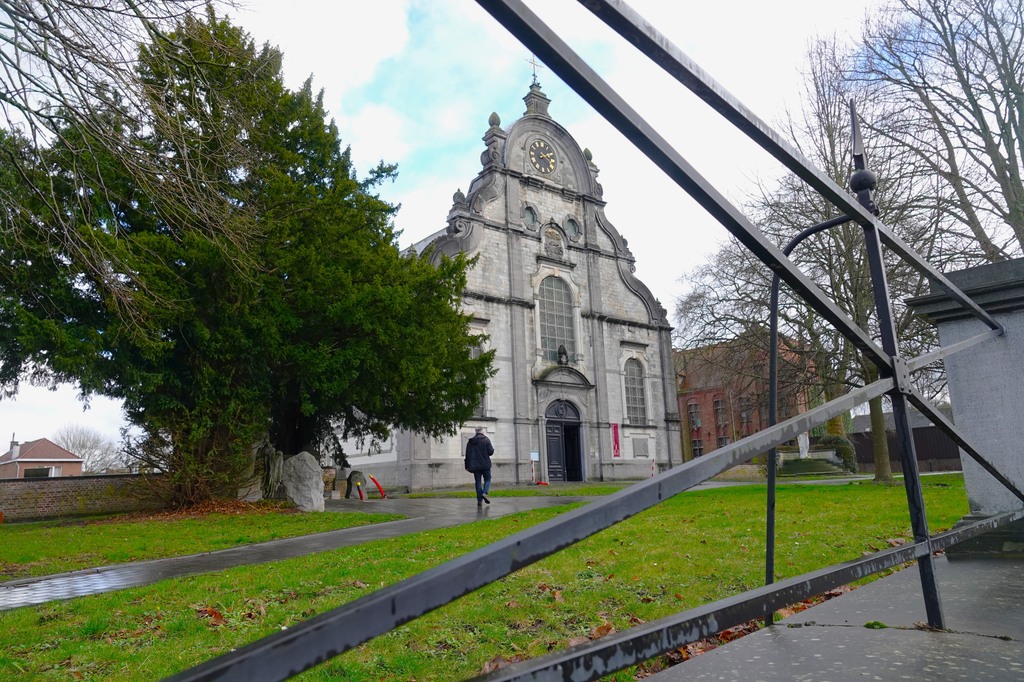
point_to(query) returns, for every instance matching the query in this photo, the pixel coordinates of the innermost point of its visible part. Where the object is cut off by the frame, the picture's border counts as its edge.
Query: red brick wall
(734, 427)
(41, 498)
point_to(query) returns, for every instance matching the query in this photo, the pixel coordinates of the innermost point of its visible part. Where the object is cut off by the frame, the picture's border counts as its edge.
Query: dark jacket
(478, 453)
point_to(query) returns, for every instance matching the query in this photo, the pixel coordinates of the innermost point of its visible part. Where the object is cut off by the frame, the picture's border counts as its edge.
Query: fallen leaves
(598, 631)
(215, 616)
(738, 631)
(148, 627)
(602, 630)
(225, 507)
(257, 610)
(556, 594)
(685, 653)
(500, 662)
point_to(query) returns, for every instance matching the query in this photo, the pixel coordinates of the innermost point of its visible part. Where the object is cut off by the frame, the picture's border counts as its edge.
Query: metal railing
(314, 641)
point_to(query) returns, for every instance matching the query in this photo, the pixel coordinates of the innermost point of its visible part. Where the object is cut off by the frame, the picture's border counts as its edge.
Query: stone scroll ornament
(552, 244)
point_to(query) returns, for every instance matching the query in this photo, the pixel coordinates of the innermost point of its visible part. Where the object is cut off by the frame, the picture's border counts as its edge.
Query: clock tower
(585, 386)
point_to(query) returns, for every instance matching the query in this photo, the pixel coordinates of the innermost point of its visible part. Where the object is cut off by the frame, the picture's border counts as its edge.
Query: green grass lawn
(697, 547)
(46, 547)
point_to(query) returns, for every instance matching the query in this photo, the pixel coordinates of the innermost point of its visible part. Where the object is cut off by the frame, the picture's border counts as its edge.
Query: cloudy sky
(413, 82)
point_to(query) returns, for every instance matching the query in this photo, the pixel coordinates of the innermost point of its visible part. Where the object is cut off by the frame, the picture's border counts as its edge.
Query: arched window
(636, 402)
(572, 228)
(530, 218)
(556, 321)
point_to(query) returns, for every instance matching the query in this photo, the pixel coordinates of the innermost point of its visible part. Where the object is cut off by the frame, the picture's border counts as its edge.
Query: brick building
(585, 384)
(40, 458)
(723, 393)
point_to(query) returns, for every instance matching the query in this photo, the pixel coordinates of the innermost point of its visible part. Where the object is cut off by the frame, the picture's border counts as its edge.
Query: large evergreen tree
(331, 325)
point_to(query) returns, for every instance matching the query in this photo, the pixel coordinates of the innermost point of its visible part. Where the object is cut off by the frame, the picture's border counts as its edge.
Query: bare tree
(72, 67)
(98, 452)
(731, 293)
(951, 74)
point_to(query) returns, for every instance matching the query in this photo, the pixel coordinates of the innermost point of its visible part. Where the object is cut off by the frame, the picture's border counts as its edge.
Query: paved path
(983, 606)
(423, 514)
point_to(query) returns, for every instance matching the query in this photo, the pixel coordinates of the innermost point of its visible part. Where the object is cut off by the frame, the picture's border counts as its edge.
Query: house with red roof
(40, 458)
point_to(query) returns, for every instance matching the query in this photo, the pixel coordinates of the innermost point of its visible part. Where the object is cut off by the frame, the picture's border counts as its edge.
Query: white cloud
(376, 132)
(40, 413)
(340, 43)
(425, 209)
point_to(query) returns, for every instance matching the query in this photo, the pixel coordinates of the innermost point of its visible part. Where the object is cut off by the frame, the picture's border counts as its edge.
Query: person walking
(478, 462)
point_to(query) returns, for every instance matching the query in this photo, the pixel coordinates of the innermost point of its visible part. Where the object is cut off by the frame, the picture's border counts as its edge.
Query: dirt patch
(224, 507)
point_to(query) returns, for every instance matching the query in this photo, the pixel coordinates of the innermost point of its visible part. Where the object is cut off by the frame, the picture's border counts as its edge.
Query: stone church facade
(585, 386)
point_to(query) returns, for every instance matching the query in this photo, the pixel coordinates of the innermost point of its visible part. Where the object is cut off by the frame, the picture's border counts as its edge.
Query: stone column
(986, 381)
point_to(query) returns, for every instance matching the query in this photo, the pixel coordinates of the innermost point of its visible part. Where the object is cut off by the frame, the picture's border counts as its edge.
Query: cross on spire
(532, 61)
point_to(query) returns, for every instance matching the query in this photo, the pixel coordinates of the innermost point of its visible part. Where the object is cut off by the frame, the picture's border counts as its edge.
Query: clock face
(542, 156)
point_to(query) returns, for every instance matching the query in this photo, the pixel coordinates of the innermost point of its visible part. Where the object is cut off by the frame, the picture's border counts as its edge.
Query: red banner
(615, 441)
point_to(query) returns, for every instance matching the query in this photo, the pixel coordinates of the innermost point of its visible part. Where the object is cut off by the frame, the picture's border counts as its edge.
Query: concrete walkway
(983, 605)
(423, 514)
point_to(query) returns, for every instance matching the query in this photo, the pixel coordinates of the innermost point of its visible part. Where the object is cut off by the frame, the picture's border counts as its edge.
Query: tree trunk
(880, 442)
(836, 426)
(291, 431)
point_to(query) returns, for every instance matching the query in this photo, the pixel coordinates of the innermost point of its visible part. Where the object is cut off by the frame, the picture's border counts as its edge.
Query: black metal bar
(862, 183)
(939, 419)
(904, 434)
(773, 389)
(553, 51)
(620, 650)
(311, 642)
(642, 35)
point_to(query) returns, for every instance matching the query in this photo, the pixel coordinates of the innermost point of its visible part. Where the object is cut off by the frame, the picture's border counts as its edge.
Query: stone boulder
(303, 482)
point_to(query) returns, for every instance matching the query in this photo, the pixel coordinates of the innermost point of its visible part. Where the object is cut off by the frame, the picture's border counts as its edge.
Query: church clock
(542, 156)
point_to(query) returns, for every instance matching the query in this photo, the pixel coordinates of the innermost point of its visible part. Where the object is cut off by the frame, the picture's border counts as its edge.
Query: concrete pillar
(986, 381)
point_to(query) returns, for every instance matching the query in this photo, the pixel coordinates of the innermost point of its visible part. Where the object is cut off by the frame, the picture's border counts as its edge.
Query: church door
(564, 447)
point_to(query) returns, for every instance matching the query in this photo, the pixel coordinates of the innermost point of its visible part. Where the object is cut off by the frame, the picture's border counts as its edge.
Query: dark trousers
(482, 490)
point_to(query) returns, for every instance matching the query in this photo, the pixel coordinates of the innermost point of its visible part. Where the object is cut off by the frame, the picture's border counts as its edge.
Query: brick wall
(25, 499)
